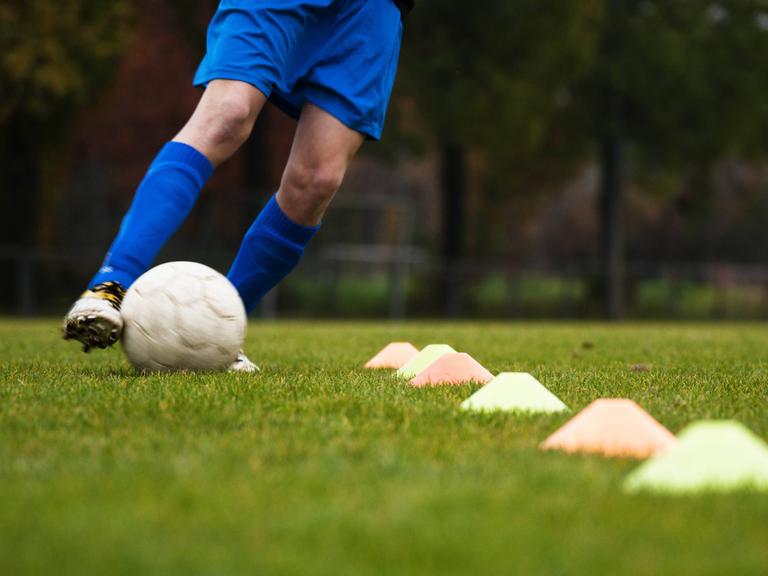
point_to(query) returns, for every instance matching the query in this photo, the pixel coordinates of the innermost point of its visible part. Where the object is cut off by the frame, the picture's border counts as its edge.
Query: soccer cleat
(242, 364)
(94, 320)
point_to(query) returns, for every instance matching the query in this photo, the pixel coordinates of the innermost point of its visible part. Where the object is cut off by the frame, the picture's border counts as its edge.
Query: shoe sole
(91, 331)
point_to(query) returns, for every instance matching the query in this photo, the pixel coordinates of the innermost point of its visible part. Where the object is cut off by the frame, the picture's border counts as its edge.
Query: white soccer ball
(182, 316)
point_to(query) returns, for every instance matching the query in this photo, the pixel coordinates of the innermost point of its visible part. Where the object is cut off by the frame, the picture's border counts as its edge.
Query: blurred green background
(541, 159)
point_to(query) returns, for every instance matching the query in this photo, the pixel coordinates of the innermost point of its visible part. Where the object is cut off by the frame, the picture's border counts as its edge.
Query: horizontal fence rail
(403, 280)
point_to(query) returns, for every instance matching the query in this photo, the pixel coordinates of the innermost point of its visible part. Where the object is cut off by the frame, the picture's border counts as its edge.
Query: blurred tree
(54, 57)
(495, 76)
(529, 84)
(694, 76)
(682, 84)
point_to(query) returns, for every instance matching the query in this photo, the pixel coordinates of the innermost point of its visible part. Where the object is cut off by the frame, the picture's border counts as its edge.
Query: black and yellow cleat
(94, 319)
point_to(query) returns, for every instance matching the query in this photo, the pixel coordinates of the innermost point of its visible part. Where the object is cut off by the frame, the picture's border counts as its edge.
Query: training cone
(423, 359)
(710, 456)
(612, 427)
(452, 368)
(393, 355)
(514, 392)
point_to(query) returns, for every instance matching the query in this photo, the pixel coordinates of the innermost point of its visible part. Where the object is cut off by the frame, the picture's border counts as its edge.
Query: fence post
(25, 301)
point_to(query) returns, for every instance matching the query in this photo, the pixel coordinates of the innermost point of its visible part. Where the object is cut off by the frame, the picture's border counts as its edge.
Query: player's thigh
(323, 142)
(223, 119)
(322, 149)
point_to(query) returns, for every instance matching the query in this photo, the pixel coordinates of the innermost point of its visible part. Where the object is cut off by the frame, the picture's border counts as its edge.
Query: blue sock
(162, 202)
(271, 248)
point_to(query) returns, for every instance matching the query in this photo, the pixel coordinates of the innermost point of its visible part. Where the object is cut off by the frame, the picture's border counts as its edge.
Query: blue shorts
(340, 55)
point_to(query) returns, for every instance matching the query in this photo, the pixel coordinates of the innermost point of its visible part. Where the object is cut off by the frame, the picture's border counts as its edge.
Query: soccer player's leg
(220, 124)
(223, 119)
(322, 149)
(320, 155)
(340, 77)
(248, 45)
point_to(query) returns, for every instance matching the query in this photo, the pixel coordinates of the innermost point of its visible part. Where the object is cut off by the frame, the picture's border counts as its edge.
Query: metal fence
(357, 280)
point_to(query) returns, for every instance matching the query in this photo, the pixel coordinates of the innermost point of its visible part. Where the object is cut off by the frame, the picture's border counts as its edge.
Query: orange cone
(612, 427)
(393, 355)
(452, 368)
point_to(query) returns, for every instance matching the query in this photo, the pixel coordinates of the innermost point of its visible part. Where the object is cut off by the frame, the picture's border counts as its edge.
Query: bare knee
(229, 119)
(307, 190)
(223, 119)
(316, 183)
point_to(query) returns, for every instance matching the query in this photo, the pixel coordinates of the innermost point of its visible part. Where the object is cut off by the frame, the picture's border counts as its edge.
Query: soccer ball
(182, 316)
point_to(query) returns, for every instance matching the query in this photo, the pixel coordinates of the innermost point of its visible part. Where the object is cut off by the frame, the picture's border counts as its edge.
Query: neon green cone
(423, 359)
(514, 392)
(710, 456)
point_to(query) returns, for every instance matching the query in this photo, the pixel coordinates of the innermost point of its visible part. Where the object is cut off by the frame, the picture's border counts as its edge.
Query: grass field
(315, 466)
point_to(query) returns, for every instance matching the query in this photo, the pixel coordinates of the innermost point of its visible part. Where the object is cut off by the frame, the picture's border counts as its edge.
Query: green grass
(316, 466)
